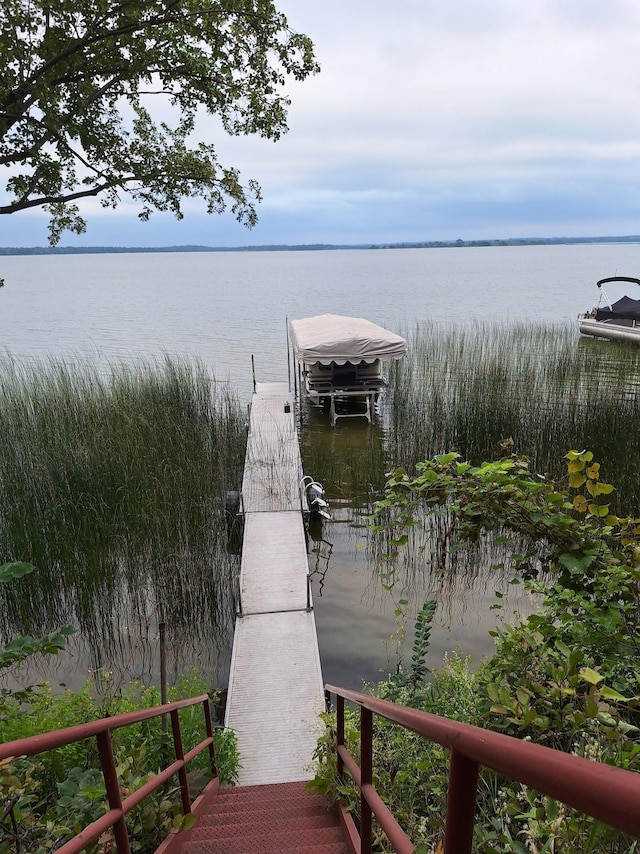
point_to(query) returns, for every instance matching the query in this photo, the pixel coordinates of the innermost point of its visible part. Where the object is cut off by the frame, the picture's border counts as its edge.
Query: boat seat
(319, 385)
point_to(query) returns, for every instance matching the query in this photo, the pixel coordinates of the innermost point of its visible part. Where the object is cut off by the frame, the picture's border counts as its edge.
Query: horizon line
(407, 244)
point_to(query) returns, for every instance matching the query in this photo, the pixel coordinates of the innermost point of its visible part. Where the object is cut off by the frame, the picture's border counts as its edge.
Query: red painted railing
(611, 795)
(101, 730)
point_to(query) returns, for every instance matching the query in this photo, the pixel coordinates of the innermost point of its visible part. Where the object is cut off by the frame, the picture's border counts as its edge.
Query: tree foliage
(79, 80)
(569, 526)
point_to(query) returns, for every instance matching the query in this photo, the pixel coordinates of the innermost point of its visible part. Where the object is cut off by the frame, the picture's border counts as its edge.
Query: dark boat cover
(624, 309)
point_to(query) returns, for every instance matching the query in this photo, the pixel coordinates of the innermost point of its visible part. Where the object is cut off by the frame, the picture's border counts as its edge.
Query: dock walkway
(275, 685)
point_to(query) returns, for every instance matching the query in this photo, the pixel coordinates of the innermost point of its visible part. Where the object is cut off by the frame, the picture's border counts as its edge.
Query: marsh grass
(114, 487)
(465, 389)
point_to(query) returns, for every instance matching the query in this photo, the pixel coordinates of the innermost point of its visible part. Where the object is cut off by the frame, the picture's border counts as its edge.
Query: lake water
(226, 307)
(223, 307)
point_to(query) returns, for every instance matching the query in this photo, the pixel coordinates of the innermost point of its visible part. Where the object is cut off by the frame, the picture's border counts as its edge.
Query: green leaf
(599, 510)
(499, 710)
(591, 676)
(627, 728)
(590, 706)
(576, 480)
(9, 571)
(188, 821)
(611, 694)
(606, 719)
(445, 459)
(524, 696)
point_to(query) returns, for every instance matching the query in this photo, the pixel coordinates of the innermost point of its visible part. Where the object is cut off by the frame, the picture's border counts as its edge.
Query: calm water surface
(225, 307)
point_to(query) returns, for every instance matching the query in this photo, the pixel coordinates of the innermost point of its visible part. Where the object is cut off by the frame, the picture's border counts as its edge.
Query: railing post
(366, 779)
(461, 804)
(209, 728)
(340, 732)
(182, 773)
(112, 785)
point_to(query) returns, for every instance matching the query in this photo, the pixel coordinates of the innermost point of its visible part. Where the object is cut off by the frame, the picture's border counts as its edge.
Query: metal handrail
(609, 794)
(101, 730)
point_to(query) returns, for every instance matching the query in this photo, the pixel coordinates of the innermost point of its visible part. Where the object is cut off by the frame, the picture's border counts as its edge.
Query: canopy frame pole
(288, 354)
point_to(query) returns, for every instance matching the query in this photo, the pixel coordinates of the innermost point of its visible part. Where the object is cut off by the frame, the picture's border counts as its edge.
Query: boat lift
(338, 363)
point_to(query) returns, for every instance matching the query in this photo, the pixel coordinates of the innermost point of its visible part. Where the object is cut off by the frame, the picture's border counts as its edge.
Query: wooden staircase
(281, 818)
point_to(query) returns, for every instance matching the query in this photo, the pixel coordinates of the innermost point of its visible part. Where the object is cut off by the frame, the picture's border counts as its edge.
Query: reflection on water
(360, 637)
(357, 629)
(137, 660)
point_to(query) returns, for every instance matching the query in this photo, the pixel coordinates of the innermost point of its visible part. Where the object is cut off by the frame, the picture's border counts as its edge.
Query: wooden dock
(275, 686)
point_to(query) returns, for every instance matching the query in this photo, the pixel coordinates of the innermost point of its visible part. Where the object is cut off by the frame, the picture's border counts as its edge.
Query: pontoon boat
(619, 320)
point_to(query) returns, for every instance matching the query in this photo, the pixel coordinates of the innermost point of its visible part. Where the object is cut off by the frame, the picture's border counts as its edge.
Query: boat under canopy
(339, 362)
(618, 320)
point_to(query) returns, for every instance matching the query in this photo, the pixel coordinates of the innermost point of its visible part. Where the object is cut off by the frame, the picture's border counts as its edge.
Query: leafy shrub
(56, 794)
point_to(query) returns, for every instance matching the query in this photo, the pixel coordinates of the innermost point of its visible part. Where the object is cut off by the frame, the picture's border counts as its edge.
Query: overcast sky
(432, 119)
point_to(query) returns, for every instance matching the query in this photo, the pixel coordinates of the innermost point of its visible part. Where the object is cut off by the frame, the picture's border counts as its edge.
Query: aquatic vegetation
(113, 487)
(467, 388)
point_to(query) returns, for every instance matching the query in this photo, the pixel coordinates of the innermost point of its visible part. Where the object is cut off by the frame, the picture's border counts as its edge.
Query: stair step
(313, 840)
(258, 798)
(269, 790)
(261, 813)
(264, 825)
(282, 818)
(306, 848)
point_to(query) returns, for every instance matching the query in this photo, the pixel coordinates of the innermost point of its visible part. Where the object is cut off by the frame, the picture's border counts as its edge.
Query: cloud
(476, 117)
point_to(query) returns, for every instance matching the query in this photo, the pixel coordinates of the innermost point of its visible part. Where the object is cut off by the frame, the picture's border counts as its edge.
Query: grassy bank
(114, 486)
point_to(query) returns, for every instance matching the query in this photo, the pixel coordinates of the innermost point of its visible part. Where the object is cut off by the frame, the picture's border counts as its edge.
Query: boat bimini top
(333, 338)
(625, 308)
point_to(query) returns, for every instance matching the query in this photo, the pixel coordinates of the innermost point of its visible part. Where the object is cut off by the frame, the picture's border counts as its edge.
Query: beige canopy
(333, 338)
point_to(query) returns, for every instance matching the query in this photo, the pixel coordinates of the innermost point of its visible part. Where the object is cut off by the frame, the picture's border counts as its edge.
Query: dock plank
(273, 468)
(275, 685)
(274, 565)
(276, 696)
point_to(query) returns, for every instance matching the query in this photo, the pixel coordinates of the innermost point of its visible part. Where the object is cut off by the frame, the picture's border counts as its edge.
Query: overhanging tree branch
(66, 77)
(25, 204)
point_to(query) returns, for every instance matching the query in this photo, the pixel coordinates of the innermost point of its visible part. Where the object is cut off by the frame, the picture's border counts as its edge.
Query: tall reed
(114, 487)
(467, 388)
